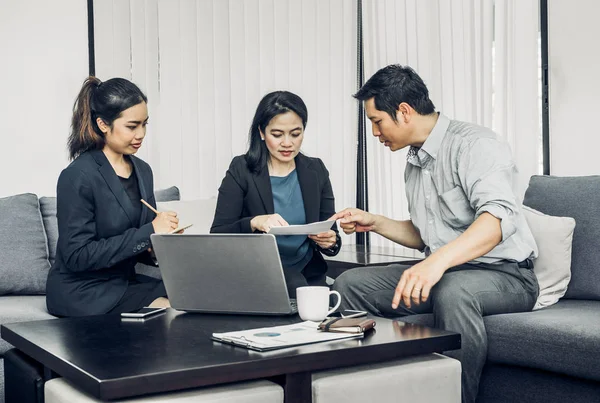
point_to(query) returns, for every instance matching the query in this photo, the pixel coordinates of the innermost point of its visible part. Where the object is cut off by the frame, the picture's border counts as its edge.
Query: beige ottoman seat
(419, 379)
(59, 390)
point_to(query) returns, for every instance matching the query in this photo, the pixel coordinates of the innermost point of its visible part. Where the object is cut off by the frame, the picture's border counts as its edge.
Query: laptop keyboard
(294, 305)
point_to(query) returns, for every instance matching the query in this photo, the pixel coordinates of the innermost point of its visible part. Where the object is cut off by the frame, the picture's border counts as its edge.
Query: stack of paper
(271, 338)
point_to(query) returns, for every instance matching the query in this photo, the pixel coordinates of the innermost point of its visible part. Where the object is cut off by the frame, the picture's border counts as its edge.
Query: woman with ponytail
(103, 229)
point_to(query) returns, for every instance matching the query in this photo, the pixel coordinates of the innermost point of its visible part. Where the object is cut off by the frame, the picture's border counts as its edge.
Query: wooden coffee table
(113, 359)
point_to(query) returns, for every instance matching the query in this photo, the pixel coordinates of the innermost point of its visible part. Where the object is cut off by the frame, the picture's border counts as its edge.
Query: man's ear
(102, 126)
(404, 112)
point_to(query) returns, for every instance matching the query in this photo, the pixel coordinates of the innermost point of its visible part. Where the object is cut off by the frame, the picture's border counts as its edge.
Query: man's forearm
(480, 238)
(401, 232)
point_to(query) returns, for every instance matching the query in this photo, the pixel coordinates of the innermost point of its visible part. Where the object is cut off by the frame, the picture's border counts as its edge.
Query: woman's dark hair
(272, 104)
(104, 100)
(393, 85)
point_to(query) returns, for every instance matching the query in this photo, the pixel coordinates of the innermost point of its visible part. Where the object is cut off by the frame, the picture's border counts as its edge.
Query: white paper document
(306, 229)
(272, 338)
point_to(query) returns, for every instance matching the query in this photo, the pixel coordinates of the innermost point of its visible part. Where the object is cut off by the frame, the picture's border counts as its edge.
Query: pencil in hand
(145, 203)
(173, 231)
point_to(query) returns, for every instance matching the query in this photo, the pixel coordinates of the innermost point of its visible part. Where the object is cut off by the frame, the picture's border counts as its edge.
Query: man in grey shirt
(464, 214)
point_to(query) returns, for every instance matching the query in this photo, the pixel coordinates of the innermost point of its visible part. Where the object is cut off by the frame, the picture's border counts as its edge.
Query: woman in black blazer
(103, 230)
(273, 184)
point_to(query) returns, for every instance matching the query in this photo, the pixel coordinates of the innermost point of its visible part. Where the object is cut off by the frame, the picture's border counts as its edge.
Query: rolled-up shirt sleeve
(487, 172)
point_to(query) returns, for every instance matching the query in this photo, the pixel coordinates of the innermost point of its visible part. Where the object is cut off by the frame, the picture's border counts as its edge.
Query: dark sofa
(552, 354)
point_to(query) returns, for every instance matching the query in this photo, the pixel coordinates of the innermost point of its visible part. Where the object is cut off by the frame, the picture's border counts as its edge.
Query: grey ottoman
(59, 390)
(425, 378)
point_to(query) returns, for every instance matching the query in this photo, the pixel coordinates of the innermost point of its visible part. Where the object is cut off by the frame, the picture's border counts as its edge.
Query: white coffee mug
(313, 302)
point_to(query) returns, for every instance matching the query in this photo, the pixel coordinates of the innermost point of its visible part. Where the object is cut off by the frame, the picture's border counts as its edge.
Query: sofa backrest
(577, 197)
(23, 248)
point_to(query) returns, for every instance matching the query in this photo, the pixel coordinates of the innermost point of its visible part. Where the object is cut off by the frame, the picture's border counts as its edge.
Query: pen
(145, 203)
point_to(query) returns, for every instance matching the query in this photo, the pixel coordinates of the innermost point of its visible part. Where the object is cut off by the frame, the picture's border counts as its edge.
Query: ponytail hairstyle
(272, 104)
(104, 100)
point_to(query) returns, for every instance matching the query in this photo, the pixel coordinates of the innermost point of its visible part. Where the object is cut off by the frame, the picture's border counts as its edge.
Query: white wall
(574, 84)
(43, 62)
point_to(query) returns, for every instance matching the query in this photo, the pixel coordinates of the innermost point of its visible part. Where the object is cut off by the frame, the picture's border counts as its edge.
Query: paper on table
(306, 229)
(272, 338)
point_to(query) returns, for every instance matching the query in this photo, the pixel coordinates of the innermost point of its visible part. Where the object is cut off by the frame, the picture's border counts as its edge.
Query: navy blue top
(295, 250)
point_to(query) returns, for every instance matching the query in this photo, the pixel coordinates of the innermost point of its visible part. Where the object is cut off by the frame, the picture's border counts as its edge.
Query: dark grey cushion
(24, 261)
(508, 383)
(577, 197)
(21, 308)
(48, 209)
(562, 338)
(151, 271)
(2, 380)
(168, 194)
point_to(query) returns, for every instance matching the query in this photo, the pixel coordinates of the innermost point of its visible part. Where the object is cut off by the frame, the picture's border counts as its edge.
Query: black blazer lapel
(309, 184)
(143, 191)
(263, 184)
(110, 176)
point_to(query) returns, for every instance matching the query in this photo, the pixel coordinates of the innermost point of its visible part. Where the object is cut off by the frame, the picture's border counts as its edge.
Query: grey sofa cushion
(20, 308)
(508, 383)
(168, 194)
(1, 380)
(48, 209)
(152, 271)
(562, 338)
(24, 261)
(577, 197)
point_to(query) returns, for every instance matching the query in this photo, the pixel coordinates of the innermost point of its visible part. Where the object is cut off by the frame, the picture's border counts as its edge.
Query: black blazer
(244, 195)
(99, 240)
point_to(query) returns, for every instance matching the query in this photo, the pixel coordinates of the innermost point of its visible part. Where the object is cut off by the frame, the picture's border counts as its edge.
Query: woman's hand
(325, 240)
(265, 222)
(165, 222)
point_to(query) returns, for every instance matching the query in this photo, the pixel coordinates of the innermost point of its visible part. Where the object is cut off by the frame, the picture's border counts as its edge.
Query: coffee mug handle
(337, 305)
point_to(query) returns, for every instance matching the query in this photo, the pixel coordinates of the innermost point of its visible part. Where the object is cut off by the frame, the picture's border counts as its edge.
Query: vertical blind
(205, 65)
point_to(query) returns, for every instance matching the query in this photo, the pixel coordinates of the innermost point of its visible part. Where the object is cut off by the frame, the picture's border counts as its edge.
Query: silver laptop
(223, 273)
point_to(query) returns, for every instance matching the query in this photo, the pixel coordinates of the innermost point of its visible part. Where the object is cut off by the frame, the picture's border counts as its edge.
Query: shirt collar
(429, 149)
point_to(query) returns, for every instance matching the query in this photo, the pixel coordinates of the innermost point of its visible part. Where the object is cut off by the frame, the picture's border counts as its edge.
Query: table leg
(298, 388)
(49, 374)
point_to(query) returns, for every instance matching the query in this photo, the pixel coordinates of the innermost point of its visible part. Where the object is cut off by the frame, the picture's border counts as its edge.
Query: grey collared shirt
(461, 171)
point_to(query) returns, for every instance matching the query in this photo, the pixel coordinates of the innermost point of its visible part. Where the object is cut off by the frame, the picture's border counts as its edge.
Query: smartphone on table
(347, 313)
(143, 313)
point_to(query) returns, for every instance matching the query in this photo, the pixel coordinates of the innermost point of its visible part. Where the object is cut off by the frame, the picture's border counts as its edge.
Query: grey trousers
(459, 301)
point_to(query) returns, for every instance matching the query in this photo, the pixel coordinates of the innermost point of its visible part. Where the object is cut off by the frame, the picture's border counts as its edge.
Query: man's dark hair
(395, 84)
